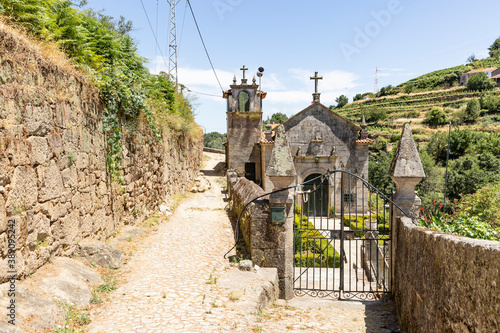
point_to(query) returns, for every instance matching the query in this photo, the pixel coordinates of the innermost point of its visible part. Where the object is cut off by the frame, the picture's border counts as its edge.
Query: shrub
(480, 82)
(332, 211)
(375, 115)
(484, 204)
(490, 102)
(472, 110)
(435, 117)
(412, 114)
(310, 247)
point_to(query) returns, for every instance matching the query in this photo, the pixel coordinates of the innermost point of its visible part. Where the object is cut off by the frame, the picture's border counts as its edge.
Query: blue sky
(343, 40)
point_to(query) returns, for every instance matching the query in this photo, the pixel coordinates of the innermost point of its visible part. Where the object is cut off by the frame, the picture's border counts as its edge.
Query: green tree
(432, 185)
(484, 204)
(435, 117)
(490, 102)
(341, 101)
(374, 115)
(214, 140)
(357, 97)
(278, 118)
(472, 110)
(469, 173)
(480, 82)
(378, 172)
(471, 58)
(494, 48)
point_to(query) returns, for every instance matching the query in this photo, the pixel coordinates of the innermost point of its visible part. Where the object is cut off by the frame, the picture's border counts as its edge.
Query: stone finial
(254, 81)
(235, 80)
(268, 133)
(281, 163)
(406, 162)
(406, 171)
(363, 135)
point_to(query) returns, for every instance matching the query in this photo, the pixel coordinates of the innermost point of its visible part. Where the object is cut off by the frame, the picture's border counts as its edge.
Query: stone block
(55, 143)
(18, 151)
(3, 215)
(82, 161)
(68, 228)
(24, 193)
(97, 253)
(75, 200)
(50, 182)
(40, 151)
(38, 120)
(5, 170)
(70, 140)
(69, 177)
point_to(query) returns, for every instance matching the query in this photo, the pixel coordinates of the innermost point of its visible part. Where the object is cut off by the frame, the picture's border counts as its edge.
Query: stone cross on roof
(316, 78)
(243, 80)
(316, 94)
(244, 69)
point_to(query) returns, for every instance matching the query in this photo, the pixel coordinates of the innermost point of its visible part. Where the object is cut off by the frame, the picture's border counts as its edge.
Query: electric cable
(182, 28)
(154, 35)
(204, 46)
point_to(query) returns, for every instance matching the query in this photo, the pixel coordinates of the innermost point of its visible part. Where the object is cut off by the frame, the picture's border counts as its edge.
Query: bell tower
(244, 126)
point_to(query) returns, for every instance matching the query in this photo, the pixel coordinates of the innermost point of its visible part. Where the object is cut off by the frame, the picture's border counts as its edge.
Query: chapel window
(243, 101)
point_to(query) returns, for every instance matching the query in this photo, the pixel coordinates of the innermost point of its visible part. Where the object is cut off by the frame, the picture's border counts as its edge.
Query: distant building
(490, 72)
(496, 78)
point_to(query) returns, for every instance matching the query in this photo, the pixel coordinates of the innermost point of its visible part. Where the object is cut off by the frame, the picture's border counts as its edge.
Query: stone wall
(265, 241)
(446, 283)
(53, 173)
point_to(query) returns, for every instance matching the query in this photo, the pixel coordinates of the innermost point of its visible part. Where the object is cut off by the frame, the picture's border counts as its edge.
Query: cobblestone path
(171, 284)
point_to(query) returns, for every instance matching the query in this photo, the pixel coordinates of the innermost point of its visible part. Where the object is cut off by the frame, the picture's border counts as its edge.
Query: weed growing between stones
(211, 280)
(75, 320)
(235, 295)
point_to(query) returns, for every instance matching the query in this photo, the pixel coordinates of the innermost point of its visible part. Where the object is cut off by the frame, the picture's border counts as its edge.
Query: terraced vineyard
(396, 110)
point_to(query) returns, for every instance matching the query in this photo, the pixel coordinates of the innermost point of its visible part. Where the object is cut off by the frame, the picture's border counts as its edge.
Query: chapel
(319, 140)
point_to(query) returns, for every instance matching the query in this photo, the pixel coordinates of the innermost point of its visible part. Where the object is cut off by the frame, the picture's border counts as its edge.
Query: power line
(182, 28)
(200, 93)
(154, 35)
(156, 30)
(203, 42)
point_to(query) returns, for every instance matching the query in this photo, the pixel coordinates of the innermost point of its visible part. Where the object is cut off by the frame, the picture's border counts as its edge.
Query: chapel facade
(319, 140)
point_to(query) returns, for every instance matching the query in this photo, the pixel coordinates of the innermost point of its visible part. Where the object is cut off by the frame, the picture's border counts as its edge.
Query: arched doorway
(317, 205)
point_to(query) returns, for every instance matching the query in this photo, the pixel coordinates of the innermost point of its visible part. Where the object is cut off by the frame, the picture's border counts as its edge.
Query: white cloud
(332, 80)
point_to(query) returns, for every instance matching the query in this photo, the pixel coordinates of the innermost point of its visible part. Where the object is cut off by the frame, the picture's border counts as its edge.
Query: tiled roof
(496, 76)
(364, 141)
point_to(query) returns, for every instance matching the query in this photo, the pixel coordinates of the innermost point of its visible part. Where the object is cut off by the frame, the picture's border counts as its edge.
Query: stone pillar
(281, 172)
(406, 171)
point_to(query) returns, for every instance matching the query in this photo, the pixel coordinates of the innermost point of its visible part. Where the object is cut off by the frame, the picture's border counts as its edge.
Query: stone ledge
(250, 292)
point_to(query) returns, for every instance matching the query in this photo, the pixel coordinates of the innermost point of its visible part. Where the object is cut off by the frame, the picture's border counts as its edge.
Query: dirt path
(171, 283)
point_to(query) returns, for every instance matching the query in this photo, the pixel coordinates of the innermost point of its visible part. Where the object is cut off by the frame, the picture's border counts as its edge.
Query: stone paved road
(170, 284)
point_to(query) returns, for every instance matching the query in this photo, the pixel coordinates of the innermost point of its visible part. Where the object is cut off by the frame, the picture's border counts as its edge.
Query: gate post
(281, 173)
(406, 171)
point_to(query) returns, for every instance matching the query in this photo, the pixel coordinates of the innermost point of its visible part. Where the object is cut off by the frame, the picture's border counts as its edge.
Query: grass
(211, 280)
(75, 319)
(235, 295)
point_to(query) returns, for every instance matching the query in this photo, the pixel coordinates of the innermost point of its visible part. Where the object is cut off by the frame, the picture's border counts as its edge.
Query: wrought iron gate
(347, 252)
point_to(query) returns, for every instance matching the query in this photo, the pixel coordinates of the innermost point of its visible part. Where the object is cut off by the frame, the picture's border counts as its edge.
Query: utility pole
(376, 80)
(172, 42)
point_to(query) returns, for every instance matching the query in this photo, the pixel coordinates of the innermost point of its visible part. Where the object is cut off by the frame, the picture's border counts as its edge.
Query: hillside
(387, 115)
